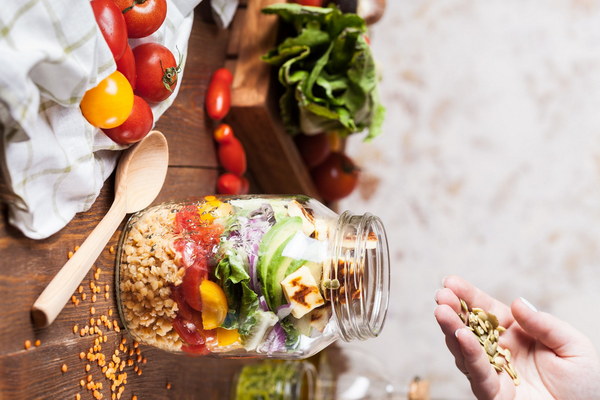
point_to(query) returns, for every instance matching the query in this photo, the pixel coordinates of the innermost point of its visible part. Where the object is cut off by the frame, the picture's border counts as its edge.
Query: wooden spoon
(139, 178)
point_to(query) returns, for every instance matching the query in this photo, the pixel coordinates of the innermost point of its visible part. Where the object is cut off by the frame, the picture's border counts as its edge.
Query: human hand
(553, 360)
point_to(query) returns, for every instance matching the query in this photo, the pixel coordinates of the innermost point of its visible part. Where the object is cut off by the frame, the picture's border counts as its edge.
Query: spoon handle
(52, 300)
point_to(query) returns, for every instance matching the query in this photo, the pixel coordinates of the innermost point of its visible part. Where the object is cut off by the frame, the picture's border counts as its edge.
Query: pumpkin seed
(486, 327)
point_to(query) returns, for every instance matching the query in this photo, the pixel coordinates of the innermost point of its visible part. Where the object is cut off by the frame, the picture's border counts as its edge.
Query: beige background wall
(489, 166)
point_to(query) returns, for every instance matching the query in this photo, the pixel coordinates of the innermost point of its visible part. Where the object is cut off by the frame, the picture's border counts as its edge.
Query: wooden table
(28, 265)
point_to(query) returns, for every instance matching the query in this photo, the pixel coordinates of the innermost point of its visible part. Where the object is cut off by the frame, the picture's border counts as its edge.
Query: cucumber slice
(270, 260)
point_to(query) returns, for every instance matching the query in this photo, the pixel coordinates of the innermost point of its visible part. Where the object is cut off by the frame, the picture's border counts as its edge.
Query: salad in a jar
(235, 276)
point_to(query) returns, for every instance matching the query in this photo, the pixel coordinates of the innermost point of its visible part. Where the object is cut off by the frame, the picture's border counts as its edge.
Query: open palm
(552, 359)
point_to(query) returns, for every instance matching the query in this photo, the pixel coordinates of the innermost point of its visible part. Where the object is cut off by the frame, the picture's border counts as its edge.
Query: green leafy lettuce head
(327, 71)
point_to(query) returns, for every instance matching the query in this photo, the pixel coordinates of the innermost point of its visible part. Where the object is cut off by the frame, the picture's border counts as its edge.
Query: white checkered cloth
(52, 52)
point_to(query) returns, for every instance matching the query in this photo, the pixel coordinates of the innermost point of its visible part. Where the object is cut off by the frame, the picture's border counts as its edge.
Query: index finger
(475, 297)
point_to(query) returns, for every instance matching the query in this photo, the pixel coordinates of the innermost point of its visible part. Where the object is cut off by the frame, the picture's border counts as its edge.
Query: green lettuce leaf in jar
(251, 276)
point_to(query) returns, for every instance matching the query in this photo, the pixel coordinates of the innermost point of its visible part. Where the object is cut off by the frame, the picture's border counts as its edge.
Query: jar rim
(361, 266)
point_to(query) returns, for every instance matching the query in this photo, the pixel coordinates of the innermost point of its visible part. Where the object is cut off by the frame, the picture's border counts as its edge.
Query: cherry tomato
(229, 183)
(126, 66)
(109, 104)
(184, 310)
(314, 149)
(143, 17)
(223, 133)
(218, 94)
(232, 156)
(314, 3)
(197, 349)
(112, 25)
(231, 152)
(136, 126)
(188, 331)
(192, 279)
(156, 70)
(336, 177)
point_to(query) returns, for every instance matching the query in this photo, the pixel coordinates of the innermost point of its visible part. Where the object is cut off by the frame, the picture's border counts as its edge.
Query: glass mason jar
(275, 380)
(251, 276)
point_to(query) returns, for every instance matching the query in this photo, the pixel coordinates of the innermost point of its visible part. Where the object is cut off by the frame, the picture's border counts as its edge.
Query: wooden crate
(273, 159)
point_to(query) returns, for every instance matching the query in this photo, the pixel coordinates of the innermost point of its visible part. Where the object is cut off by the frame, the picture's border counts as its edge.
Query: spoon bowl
(139, 178)
(141, 172)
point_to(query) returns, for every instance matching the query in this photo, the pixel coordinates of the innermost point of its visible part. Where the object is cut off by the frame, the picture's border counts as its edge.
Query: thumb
(552, 332)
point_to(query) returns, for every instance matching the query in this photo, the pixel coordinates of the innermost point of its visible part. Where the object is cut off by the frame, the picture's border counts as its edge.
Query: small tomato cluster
(145, 74)
(230, 151)
(334, 174)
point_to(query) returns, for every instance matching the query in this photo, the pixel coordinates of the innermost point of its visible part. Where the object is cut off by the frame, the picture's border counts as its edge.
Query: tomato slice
(199, 350)
(187, 220)
(188, 331)
(192, 279)
(185, 311)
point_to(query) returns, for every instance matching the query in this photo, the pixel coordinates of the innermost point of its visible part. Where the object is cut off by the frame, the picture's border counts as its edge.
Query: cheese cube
(296, 210)
(302, 292)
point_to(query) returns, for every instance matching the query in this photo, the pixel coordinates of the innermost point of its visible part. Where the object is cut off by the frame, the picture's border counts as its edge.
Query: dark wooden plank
(236, 32)
(272, 156)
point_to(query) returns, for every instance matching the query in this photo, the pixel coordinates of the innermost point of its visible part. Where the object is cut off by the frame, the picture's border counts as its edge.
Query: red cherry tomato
(314, 149)
(192, 279)
(223, 133)
(188, 331)
(218, 94)
(112, 25)
(336, 177)
(197, 350)
(314, 3)
(156, 70)
(143, 17)
(231, 152)
(232, 156)
(229, 183)
(126, 66)
(184, 310)
(136, 126)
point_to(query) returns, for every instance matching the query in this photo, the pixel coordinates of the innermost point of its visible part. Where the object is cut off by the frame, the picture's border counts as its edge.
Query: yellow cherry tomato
(109, 104)
(214, 304)
(225, 337)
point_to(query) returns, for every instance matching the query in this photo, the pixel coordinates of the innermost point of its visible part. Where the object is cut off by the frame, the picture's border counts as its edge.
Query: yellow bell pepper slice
(214, 304)
(225, 337)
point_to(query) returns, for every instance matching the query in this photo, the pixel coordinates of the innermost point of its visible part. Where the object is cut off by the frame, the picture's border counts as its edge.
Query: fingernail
(456, 332)
(444, 281)
(436, 295)
(528, 304)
